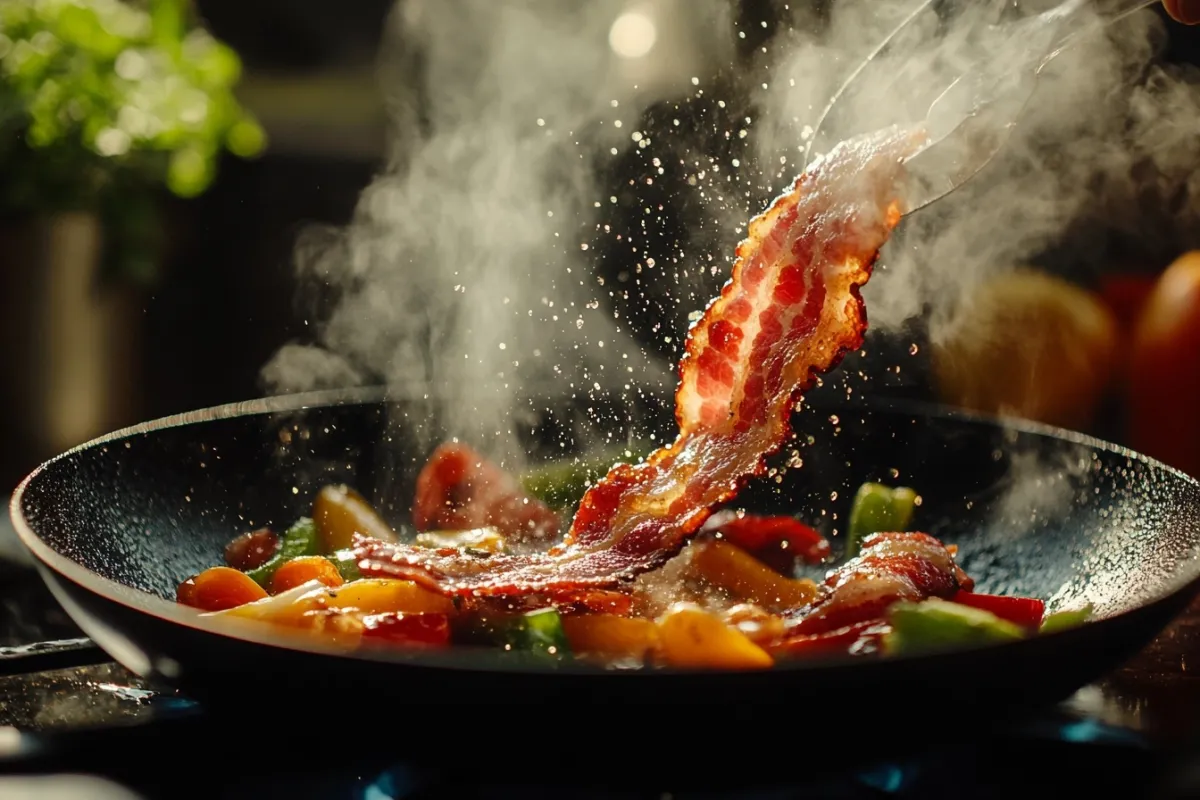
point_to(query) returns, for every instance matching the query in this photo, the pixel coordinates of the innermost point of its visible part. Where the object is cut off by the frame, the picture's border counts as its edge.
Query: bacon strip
(891, 567)
(790, 310)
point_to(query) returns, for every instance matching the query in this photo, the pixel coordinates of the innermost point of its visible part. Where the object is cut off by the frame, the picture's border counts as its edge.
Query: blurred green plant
(103, 103)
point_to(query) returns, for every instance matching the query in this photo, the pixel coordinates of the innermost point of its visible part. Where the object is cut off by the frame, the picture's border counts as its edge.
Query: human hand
(1185, 11)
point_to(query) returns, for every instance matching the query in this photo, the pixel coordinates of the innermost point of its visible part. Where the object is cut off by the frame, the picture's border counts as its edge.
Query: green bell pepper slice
(878, 508)
(298, 540)
(538, 633)
(936, 624)
(347, 565)
(561, 484)
(1067, 618)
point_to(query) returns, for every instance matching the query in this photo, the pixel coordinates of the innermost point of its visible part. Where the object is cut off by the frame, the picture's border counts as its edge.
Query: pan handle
(56, 654)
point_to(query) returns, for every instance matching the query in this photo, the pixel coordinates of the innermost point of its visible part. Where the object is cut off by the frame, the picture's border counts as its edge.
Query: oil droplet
(833, 497)
(833, 419)
(913, 349)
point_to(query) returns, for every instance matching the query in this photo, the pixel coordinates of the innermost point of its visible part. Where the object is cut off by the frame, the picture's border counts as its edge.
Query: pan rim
(165, 610)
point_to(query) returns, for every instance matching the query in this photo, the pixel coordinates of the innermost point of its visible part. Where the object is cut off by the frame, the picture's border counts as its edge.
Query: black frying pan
(115, 524)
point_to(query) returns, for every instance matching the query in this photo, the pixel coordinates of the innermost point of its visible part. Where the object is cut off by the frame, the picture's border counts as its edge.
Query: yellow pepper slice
(610, 635)
(746, 578)
(339, 512)
(381, 595)
(691, 637)
(488, 540)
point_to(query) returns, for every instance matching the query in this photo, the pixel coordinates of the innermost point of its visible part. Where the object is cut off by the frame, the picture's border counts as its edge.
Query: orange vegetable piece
(219, 588)
(610, 635)
(304, 569)
(742, 575)
(385, 595)
(689, 636)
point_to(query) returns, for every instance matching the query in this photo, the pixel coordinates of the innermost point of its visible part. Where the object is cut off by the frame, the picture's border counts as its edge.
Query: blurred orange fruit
(1030, 345)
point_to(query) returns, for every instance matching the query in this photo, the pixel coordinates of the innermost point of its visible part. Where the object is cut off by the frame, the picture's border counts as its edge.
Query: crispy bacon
(791, 310)
(891, 567)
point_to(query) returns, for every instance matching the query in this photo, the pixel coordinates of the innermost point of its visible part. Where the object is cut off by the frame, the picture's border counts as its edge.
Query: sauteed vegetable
(732, 599)
(647, 571)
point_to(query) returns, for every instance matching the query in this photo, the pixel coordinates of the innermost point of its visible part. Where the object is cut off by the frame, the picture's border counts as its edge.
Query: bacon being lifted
(790, 311)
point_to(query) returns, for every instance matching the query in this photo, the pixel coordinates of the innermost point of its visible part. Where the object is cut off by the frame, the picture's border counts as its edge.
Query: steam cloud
(1105, 144)
(464, 271)
(466, 274)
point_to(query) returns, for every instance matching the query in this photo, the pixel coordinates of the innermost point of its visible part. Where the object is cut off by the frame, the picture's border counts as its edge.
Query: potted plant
(104, 106)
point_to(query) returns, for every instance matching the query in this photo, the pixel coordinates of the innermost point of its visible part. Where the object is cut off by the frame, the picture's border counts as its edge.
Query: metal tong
(967, 90)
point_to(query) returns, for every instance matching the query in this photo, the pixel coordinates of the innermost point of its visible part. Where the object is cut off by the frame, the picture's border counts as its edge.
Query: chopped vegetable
(340, 512)
(252, 550)
(768, 536)
(347, 565)
(304, 569)
(542, 631)
(537, 632)
(299, 540)
(739, 573)
(561, 484)
(610, 635)
(689, 636)
(487, 540)
(936, 624)
(878, 509)
(336, 626)
(756, 622)
(286, 608)
(1068, 618)
(396, 627)
(460, 489)
(381, 595)
(219, 588)
(1024, 611)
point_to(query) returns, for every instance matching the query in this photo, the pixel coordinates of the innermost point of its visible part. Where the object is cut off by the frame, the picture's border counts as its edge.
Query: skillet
(116, 523)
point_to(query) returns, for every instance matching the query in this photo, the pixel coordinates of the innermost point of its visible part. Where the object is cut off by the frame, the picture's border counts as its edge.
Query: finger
(1185, 11)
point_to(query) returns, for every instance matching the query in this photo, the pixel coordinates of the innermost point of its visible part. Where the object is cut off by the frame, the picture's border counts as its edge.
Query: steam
(467, 275)
(1105, 143)
(490, 257)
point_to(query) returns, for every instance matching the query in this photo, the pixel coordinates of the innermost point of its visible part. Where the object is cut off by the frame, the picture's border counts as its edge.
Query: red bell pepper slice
(756, 533)
(1024, 611)
(394, 627)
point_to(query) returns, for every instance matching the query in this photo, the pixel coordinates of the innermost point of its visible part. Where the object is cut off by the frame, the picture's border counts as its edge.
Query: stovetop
(74, 722)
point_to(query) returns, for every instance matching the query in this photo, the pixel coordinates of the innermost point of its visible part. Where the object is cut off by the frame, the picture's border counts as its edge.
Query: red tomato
(753, 532)
(1024, 611)
(458, 489)
(1164, 375)
(396, 627)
